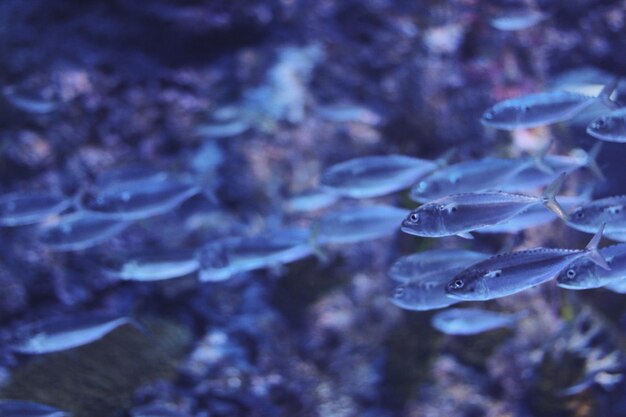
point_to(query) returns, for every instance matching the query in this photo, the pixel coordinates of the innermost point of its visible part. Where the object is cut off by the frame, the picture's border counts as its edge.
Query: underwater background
(251, 102)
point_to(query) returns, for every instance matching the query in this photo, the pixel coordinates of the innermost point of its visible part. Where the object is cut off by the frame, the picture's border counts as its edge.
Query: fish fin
(605, 94)
(592, 250)
(539, 160)
(319, 253)
(444, 160)
(465, 235)
(591, 161)
(548, 197)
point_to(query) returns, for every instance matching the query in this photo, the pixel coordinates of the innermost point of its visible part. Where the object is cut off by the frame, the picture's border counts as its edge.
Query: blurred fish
(618, 286)
(518, 19)
(78, 231)
(227, 129)
(459, 214)
(155, 265)
(431, 262)
(16, 408)
(508, 273)
(29, 103)
(374, 176)
(584, 80)
(137, 200)
(610, 211)
(59, 334)
(223, 258)
(130, 174)
(470, 321)
(156, 411)
(540, 109)
(22, 208)
(584, 274)
(610, 128)
(356, 224)
(310, 201)
(344, 113)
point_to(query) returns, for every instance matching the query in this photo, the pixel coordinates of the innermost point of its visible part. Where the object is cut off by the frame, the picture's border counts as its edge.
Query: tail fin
(548, 197)
(591, 163)
(605, 94)
(592, 250)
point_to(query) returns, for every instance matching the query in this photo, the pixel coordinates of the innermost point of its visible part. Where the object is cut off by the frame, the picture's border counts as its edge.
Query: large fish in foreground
(512, 272)
(460, 214)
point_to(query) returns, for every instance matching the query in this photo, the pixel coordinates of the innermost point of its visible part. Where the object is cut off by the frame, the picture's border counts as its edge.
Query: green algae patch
(98, 380)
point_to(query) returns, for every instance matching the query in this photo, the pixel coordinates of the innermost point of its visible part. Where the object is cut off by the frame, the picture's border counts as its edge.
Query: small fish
(29, 103)
(508, 273)
(374, 176)
(471, 321)
(518, 19)
(310, 201)
(59, 334)
(356, 224)
(155, 266)
(223, 258)
(610, 128)
(156, 411)
(411, 267)
(78, 231)
(540, 109)
(584, 274)
(130, 201)
(345, 113)
(221, 130)
(17, 408)
(23, 208)
(459, 214)
(589, 216)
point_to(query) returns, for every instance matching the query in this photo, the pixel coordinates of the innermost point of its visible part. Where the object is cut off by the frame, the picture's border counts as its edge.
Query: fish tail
(548, 197)
(591, 161)
(592, 250)
(605, 94)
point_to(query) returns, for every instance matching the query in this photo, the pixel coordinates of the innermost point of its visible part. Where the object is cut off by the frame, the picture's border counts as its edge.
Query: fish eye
(398, 292)
(600, 123)
(571, 273)
(488, 114)
(457, 284)
(414, 217)
(579, 214)
(525, 109)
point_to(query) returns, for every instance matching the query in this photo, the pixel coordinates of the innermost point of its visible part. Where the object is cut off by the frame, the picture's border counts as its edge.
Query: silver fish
(344, 113)
(310, 201)
(518, 19)
(584, 274)
(227, 129)
(512, 272)
(417, 265)
(470, 321)
(155, 266)
(66, 333)
(356, 224)
(610, 128)
(589, 216)
(78, 231)
(156, 411)
(137, 200)
(17, 408)
(459, 214)
(223, 258)
(540, 109)
(374, 176)
(22, 208)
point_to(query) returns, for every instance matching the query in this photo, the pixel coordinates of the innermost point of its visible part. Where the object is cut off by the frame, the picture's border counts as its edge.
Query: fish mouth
(410, 230)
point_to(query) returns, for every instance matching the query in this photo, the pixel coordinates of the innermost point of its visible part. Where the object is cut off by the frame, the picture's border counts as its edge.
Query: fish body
(610, 127)
(221, 259)
(23, 208)
(67, 333)
(374, 176)
(584, 274)
(518, 19)
(310, 201)
(78, 231)
(411, 267)
(346, 113)
(156, 265)
(589, 216)
(356, 224)
(534, 110)
(16, 408)
(225, 129)
(137, 200)
(470, 321)
(29, 103)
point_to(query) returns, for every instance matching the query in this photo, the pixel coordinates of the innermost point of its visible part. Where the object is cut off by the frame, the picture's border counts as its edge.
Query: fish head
(425, 221)
(502, 115)
(585, 216)
(580, 274)
(468, 285)
(603, 127)
(400, 295)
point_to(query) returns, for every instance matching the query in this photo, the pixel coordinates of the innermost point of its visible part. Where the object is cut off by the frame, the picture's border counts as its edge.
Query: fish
(225, 129)
(131, 174)
(356, 224)
(374, 176)
(78, 231)
(30, 207)
(58, 334)
(459, 214)
(18, 408)
(471, 321)
(540, 109)
(421, 278)
(518, 19)
(129, 201)
(511, 272)
(589, 216)
(345, 113)
(29, 103)
(584, 274)
(156, 411)
(610, 127)
(310, 200)
(155, 265)
(223, 258)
